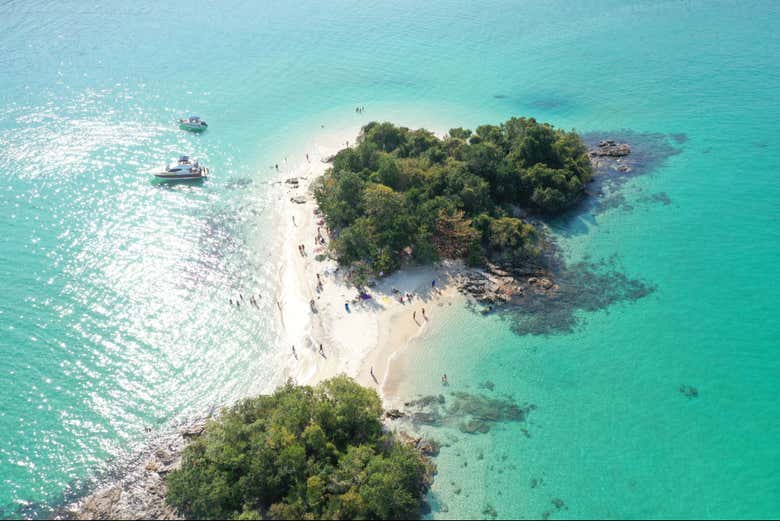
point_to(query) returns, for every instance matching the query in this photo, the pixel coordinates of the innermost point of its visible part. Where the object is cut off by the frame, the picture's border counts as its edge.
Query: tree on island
(403, 192)
(300, 453)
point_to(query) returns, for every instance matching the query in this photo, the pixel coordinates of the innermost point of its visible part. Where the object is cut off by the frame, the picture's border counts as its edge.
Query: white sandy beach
(375, 332)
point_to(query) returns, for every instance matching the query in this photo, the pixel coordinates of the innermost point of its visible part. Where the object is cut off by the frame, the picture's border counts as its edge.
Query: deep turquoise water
(114, 310)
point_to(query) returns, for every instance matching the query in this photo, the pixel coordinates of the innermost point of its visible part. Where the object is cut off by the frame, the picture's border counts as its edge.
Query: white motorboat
(185, 170)
(193, 123)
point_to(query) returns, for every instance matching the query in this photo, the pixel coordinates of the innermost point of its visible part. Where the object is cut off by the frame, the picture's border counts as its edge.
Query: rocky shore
(496, 285)
(506, 281)
(140, 492)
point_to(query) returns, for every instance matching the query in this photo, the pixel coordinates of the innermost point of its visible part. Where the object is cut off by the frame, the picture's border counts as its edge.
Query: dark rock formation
(497, 285)
(487, 384)
(609, 148)
(394, 414)
(689, 391)
(470, 413)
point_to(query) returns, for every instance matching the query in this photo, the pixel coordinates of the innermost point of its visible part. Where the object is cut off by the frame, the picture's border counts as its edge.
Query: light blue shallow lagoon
(114, 303)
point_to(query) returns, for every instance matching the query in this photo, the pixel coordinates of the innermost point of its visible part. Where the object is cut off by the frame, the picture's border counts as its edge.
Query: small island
(406, 195)
(301, 453)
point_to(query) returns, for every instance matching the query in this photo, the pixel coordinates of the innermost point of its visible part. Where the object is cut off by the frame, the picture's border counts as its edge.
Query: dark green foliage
(301, 453)
(398, 190)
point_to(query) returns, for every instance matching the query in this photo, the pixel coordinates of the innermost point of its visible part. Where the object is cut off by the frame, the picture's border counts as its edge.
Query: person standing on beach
(423, 313)
(433, 283)
(414, 315)
(322, 351)
(294, 353)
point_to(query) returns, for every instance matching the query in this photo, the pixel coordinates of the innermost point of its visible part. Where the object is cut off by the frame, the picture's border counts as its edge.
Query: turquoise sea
(114, 312)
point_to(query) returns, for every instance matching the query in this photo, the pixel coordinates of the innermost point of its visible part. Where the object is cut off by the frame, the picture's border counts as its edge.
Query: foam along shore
(374, 331)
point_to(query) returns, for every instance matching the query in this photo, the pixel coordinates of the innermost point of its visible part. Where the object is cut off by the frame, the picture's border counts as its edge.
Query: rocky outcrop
(394, 414)
(497, 285)
(140, 492)
(610, 148)
(427, 449)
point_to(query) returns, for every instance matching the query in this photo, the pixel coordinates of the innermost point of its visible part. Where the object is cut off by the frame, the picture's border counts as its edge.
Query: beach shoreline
(368, 341)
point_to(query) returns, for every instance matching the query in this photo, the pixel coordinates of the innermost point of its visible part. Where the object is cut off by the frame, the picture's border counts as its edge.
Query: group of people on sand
(302, 250)
(414, 315)
(403, 298)
(252, 300)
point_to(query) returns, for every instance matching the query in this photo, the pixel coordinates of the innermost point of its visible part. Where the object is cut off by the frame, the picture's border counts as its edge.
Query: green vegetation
(301, 453)
(406, 194)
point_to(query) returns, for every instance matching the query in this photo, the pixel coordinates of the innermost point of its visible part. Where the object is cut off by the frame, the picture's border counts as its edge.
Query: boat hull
(192, 128)
(167, 176)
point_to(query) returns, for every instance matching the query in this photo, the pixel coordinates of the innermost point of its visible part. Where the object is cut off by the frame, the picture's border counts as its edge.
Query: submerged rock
(475, 426)
(487, 384)
(689, 391)
(426, 418)
(490, 511)
(470, 413)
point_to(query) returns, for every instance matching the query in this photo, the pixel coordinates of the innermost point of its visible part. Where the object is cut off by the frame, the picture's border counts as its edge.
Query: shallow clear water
(114, 310)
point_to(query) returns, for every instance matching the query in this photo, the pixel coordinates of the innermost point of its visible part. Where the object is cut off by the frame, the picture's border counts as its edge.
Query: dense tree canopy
(301, 453)
(406, 192)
